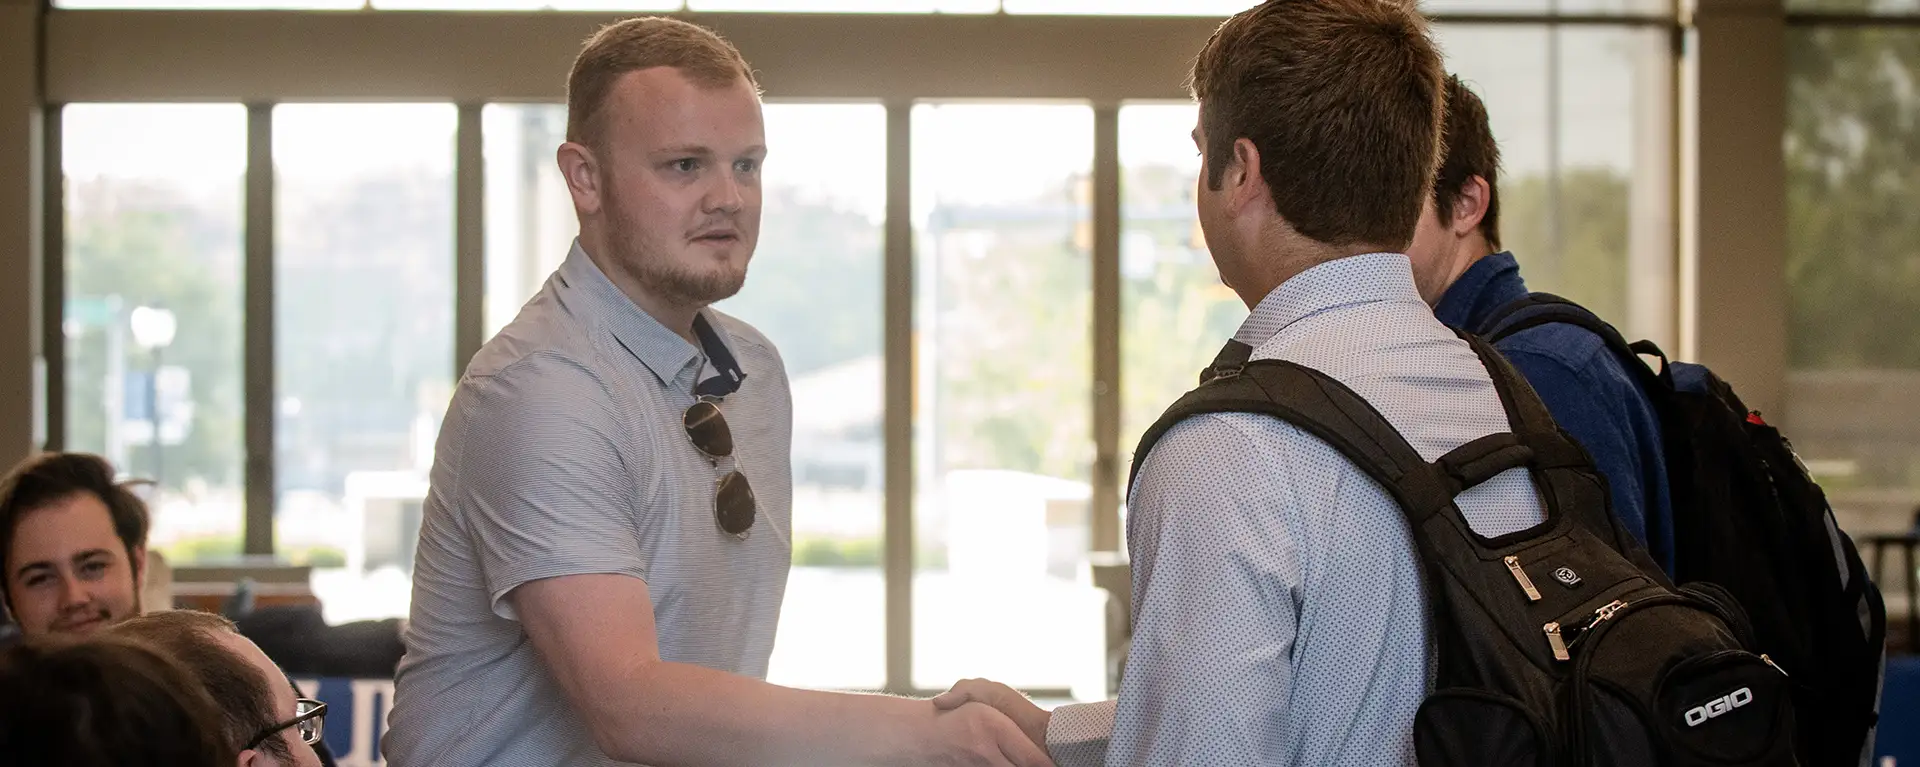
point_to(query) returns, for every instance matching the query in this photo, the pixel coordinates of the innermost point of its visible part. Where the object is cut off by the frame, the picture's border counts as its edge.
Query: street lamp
(153, 330)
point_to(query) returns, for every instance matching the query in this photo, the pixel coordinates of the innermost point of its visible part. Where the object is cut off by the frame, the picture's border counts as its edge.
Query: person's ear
(580, 167)
(1242, 179)
(139, 565)
(253, 757)
(1470, 206)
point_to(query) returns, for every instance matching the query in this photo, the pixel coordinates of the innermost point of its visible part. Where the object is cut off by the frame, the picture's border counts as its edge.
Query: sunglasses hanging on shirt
(734, 507)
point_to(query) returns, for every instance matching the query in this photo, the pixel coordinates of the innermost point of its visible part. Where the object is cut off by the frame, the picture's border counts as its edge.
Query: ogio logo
(1567, 577)
(1698, 715)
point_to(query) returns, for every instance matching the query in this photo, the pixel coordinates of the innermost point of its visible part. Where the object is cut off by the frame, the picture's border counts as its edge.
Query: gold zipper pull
(1606, 612)
(1520, 575)
(1559, 645)
(1776, 666)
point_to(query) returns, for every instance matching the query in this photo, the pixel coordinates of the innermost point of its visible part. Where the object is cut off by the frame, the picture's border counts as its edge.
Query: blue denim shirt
(1590, 394)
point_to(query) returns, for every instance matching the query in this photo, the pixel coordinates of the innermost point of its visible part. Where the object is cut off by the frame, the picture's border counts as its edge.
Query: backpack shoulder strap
(1554, 449)
(1527, 415)
(1322, 406)
(1538, 309)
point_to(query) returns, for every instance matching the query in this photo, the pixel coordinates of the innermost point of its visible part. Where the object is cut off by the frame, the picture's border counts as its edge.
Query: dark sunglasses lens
(733, 504)
(708, 429)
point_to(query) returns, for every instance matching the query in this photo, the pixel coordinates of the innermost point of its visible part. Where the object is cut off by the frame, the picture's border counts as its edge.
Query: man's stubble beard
(661, 277)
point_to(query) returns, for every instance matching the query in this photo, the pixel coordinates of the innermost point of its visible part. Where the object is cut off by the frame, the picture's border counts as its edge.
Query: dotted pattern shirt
(1280, 616)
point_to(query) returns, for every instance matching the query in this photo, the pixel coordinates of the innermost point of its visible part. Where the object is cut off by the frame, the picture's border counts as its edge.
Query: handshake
(978, 724)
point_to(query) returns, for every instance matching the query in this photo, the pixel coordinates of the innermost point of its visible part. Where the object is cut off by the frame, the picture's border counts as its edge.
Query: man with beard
(606, 540)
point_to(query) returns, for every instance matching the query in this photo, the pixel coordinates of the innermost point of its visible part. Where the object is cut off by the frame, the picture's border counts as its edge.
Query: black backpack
(1552, 647)
(1749, 518)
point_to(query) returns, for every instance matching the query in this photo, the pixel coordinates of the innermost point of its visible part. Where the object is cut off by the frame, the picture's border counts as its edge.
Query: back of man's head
(241, 690)
(104, 701)
(1469, 151)
(644, 43)
(1342, 100)
(48, 478)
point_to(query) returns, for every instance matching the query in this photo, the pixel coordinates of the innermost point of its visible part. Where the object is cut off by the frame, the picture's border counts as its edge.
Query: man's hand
(1031, 719)
(970, 735)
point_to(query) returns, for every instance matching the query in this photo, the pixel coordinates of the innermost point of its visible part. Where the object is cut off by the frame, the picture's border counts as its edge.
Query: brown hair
(43, 480)
(1469, 151)
(645, 43)
(105, 701)
(245, 700)
(1341, 98)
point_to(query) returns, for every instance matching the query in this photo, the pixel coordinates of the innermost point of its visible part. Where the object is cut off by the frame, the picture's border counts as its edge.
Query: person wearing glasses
(605, 543)
(260, 716)
(100, 701)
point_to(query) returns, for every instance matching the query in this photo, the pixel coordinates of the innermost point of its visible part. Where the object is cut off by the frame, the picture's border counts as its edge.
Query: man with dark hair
(1461, 270)
(73, 548)
(260, 716)
(104, 702)
(73, 545)
(1279, 608)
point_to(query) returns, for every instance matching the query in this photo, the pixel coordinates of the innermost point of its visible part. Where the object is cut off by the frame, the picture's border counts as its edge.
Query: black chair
(1906, 542)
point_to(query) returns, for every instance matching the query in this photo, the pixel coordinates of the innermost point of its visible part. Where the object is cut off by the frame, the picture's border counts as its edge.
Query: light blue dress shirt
(1279, 612)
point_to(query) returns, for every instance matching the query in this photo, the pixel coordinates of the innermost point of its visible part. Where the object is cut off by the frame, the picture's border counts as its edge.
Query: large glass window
(1003, 439)
(1584, 132)
(153, 309)
(363, 340)
(530, 218)
(1583, 117)
(815, 289)
(1174, 313)
(1853, 268)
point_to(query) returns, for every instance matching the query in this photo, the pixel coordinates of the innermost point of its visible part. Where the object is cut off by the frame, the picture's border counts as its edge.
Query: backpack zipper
(1776, 666)
(1554, 641)
(1563, 646)
(1520, 576)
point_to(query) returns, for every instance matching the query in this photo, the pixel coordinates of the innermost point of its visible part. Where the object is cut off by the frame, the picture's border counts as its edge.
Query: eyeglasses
(309, 716)
(733, 504)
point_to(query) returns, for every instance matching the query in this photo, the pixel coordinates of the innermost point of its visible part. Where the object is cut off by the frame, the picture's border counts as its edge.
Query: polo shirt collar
(672, 359)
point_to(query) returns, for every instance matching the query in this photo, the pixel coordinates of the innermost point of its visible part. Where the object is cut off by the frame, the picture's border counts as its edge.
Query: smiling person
(73, 545)
(605, 543)
(73, 549)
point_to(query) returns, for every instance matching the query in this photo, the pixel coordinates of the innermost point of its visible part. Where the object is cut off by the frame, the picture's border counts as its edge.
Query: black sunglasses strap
(728, 381)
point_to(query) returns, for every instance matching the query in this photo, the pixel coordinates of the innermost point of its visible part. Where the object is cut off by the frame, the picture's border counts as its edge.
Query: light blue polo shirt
(562, 454)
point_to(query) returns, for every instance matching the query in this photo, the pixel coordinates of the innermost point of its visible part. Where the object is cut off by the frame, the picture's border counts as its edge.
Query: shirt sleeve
(544, 488)
(1215, 579)
(1077, 734)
